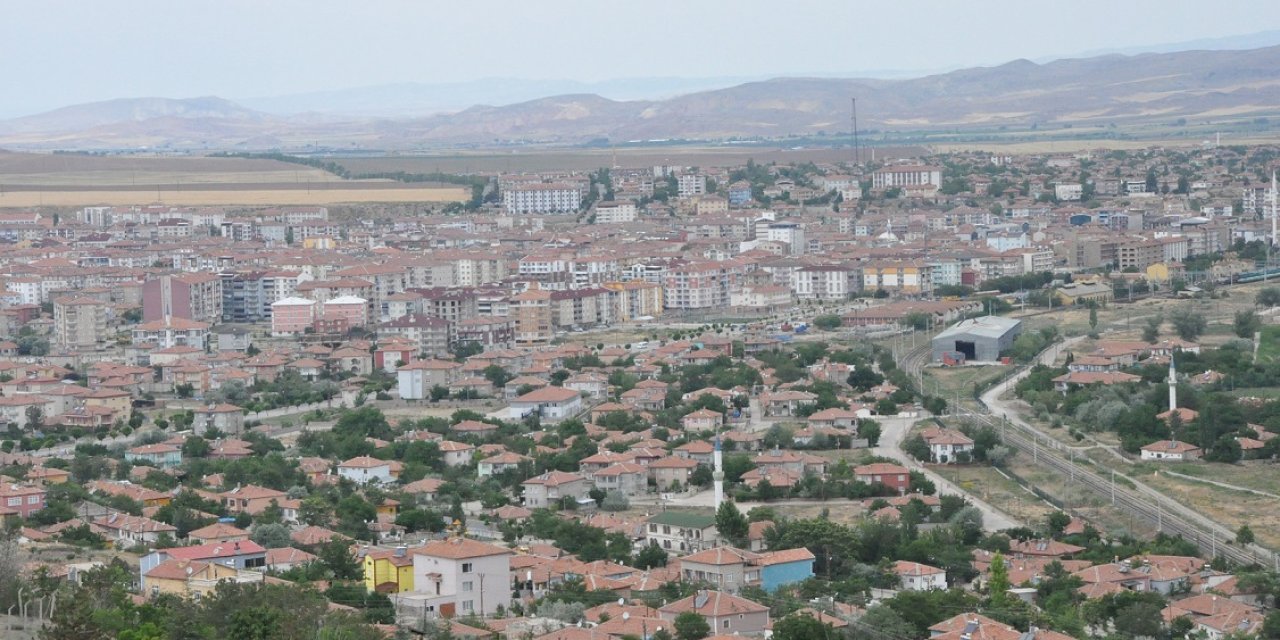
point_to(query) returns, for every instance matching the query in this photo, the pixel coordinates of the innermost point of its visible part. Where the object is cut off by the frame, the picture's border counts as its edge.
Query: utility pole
(853, 117)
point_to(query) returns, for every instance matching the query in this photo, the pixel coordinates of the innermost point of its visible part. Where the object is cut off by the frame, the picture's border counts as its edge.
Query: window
(467, 586)
(467, 605)
(466, 567)
(33, 499)
(15, 502)
(726, 623)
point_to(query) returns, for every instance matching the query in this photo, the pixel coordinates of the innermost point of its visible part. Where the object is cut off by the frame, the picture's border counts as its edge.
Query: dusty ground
(999, 490)
(1231, 508)
(957, 383)
(246, 196)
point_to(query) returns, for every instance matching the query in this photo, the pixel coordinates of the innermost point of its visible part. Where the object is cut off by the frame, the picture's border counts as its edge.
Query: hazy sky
(58, 52)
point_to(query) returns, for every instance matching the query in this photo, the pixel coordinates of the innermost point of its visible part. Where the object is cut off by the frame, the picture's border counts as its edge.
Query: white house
(914, 576)
(553, 404)
(458, 577)
(945, 444)
(364, 469)
(1171, 451)
(456, 453)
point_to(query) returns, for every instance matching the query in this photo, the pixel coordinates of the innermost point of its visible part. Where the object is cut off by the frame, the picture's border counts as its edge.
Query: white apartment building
(615, 212)
(690, 185)
(543, 198)
(906, 176)
(789, 233)
(826, 282)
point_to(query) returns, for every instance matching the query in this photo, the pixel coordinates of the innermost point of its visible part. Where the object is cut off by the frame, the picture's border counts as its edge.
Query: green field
(1269, 347)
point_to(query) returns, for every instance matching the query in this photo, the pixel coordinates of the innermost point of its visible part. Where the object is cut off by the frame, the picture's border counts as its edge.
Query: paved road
(894, 431)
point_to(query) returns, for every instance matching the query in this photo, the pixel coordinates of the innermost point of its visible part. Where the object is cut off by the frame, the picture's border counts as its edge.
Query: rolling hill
(1195, 85)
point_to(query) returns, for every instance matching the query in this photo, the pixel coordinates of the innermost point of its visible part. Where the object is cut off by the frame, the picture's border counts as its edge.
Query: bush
(615, 501)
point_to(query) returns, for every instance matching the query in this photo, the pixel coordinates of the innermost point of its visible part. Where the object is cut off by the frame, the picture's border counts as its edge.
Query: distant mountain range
(1196, 85)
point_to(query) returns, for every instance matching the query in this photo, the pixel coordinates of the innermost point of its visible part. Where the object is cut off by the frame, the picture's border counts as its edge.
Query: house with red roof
(725, 613)
(245, 554)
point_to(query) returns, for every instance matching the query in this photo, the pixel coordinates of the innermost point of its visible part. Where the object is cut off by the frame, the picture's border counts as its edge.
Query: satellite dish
(621, 602)
(626, 615)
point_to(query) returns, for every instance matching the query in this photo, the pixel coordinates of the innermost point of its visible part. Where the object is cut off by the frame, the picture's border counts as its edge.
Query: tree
(1244, 535)
(1246, 323)
(870, 431)
(1189, 324)
(271, 536)
(827, 322)
(1268, 297)
(195, 447)
(1093, 317)
(651, 556)
(336, 556)
(691, 626)
(615, 501)
(916, 447)
(1271, 626)
(1057, 522)
(881, 621)
(731, 524)
(864, 378)
(496, 375)
(1151, 332)
(800, 626)
(998, 585)
(35, 418)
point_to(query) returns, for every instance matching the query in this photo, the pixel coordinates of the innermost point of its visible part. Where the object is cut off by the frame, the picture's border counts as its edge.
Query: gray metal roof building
(979, 339)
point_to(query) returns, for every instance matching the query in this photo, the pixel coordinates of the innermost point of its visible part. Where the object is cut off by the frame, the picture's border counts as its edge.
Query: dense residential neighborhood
(653, 402)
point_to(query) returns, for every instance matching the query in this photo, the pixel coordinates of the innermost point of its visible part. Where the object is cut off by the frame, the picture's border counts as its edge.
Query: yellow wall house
(193, 578)
(388, 570)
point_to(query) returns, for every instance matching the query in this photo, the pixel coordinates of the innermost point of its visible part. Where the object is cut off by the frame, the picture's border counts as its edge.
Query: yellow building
(897, 277)
(119, 402)
(388, 570)
(193, 578)
(1080, 293)
(1158, 272)
(390, 507)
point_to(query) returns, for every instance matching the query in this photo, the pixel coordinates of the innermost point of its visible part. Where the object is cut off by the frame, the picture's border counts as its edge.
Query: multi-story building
(292, 316)
(349, 311)
(906, 176)
(431, 336)
(682, 532)
(533, 317)
(636, 299)
(825, 282)
(79, 322)
(458, 577)
(489, 332)
(172, 332)
(615, 212)
(194, 296)
(543, 198)
(909, 278)
(689, 185)
(790, 234)
(698, 285)
(246, 298)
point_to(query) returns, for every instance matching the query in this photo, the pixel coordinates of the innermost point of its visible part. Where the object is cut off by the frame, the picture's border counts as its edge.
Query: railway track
(1167, 515)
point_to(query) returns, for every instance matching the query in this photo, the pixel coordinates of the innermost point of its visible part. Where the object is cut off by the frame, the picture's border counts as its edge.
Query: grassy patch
(1269, 346)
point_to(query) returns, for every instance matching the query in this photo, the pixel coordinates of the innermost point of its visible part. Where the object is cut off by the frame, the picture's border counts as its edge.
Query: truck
(801, 328)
